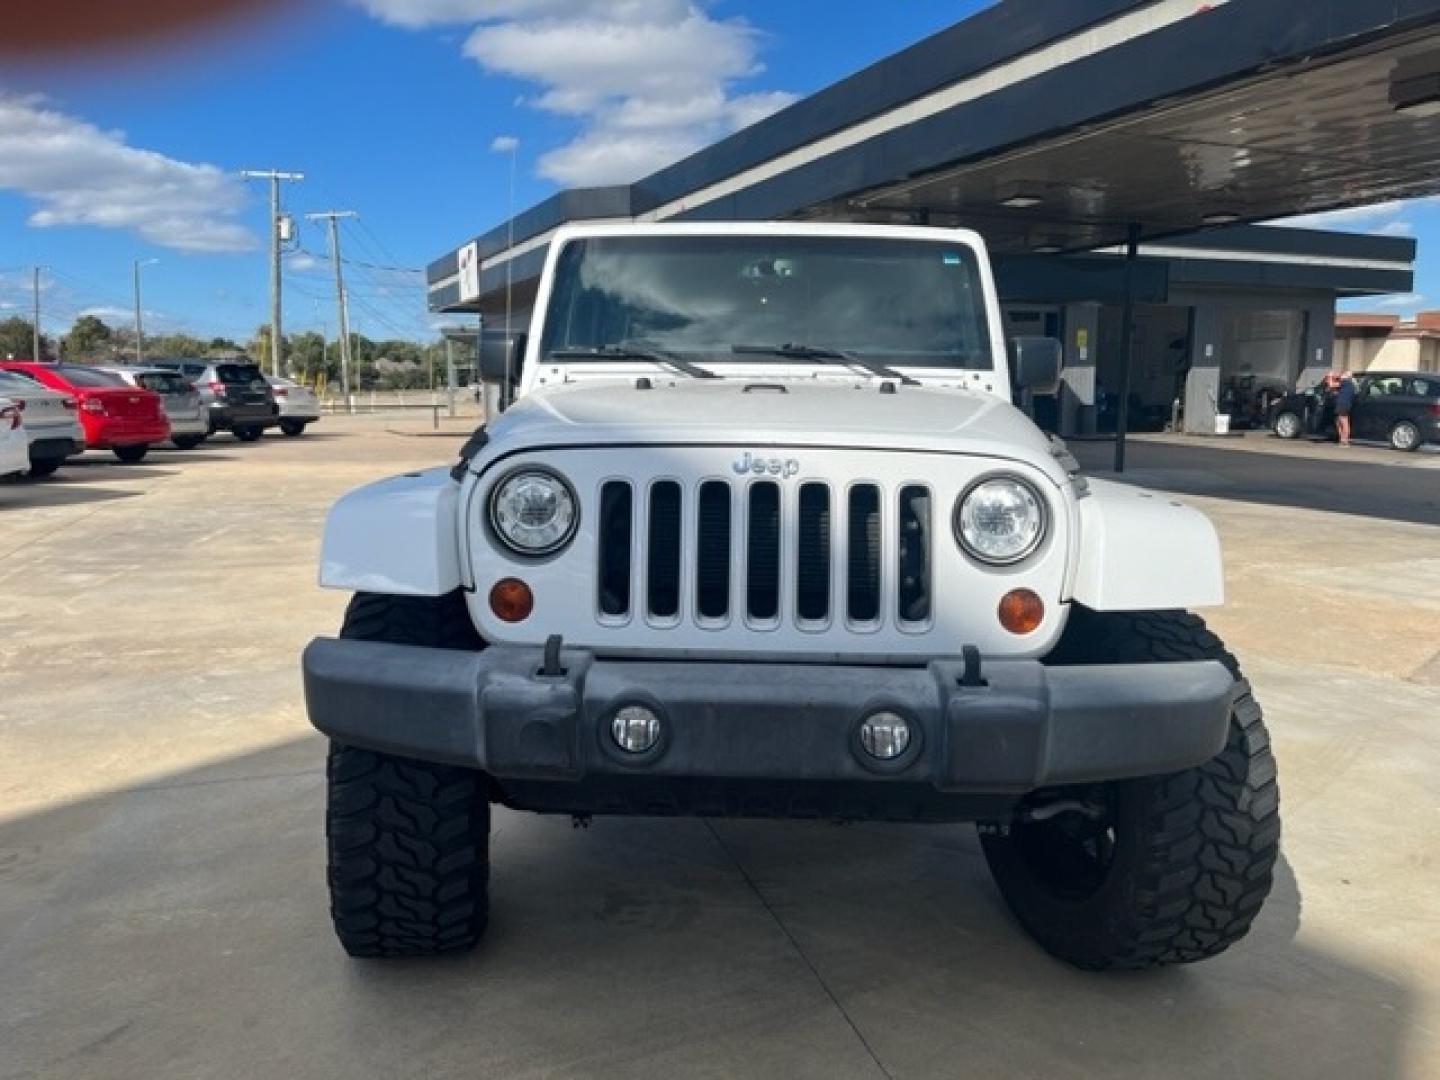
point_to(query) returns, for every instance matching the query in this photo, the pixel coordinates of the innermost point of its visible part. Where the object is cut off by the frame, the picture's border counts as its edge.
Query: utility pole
(341, 301)
(36, 355)
(277, 348)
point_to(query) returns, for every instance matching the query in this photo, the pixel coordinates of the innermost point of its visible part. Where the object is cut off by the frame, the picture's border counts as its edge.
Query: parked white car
(189, 419)
(14, 445)
(299, 407)
(52, 422)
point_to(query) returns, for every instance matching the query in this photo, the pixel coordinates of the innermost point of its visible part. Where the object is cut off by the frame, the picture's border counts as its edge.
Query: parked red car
(115, 415)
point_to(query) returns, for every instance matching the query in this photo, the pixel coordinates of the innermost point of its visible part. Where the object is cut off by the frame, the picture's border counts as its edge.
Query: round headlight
(534, 512)
(1000, 520)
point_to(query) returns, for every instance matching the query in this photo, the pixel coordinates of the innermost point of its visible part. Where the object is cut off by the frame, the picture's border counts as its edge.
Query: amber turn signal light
(511, 600)
(1021, 611)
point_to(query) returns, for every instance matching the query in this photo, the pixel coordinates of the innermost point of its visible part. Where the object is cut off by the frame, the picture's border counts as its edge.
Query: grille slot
(663, 551)
(616, 515)
(916, 544)
(712, 551)
(812, 554)
(763, 547)
(863, 591)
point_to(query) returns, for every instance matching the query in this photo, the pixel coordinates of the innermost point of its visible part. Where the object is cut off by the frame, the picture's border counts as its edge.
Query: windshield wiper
(632, 352)
(814, 352)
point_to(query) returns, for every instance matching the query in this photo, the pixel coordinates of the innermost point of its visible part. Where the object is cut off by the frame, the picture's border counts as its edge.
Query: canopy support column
(1127, 339)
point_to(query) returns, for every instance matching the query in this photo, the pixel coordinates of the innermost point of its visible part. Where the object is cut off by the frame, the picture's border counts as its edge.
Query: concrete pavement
(162, 907)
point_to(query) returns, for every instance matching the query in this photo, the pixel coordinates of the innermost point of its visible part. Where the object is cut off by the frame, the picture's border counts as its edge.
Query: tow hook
(1032, 814)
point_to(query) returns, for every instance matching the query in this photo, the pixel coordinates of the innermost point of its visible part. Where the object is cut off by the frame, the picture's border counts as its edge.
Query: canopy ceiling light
(1221, 217)
(1021, 201)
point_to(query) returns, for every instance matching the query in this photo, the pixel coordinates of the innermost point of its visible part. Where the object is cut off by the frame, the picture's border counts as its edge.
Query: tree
(175, 345)
(89, 339)
(17, 339)
(309, 359)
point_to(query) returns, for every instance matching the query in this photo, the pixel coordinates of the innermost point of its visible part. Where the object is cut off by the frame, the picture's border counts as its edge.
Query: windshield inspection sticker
(951, 259)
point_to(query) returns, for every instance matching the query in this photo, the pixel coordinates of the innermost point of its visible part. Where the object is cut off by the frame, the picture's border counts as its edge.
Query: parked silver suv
(184, 408)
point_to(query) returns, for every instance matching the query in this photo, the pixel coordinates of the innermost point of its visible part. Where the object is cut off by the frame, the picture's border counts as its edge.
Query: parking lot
(162, 903)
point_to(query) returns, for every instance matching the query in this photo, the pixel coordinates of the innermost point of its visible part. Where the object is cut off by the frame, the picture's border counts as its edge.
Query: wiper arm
(632, 352)
(814, 352)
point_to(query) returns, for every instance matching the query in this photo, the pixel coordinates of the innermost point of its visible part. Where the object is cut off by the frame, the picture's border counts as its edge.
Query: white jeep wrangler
(764, 535)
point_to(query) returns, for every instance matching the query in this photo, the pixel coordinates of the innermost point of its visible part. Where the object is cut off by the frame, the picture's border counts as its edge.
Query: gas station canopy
(1058, 125)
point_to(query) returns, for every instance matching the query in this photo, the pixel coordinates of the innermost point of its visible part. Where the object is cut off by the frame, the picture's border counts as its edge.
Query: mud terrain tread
(408, 841)
(1207, 839)
(408, 864)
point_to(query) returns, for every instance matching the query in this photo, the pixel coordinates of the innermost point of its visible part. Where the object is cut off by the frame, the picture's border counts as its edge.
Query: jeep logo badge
(751, 463)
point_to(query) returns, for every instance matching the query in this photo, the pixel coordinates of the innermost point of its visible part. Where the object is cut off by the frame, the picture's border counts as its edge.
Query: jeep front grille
(766, 554)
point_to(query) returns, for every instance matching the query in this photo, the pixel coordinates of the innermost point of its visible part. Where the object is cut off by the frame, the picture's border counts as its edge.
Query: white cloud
(650, 81)
(1384, 218)
(81, 175)
(1402, 301)
(303, 263)
(505, 144)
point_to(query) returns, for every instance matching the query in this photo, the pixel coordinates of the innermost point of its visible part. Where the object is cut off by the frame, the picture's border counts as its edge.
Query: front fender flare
(1142, 551)
(399, 537)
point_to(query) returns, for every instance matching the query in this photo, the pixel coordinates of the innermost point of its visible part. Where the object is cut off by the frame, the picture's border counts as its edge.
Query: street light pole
(139, 322)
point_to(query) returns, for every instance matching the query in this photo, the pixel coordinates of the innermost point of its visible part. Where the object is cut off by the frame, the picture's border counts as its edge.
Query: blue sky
(391, 108)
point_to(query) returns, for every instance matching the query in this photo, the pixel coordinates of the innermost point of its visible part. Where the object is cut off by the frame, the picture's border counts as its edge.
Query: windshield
(164, 383)
(903, 302)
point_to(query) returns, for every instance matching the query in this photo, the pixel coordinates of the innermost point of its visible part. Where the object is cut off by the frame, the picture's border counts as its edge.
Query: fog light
(635, 729)
(1021, 612)
(885, 735)
(511, 600)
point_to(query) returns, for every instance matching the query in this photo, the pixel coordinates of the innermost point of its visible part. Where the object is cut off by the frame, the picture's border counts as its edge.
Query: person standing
(1344, 402)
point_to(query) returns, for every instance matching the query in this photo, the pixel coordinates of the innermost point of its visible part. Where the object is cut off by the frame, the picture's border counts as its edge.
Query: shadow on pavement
(52, 492)
(179, 929)
(1370, 488)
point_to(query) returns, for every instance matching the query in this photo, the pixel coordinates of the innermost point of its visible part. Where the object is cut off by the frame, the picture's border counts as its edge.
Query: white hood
(749, 413)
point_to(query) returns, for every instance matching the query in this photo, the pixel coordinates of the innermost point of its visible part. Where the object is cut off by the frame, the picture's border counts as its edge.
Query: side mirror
(1035, 363)
(501, 354)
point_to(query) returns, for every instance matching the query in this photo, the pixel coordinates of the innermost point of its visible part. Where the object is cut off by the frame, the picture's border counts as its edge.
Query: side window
(1425, 387)
(1385, 386)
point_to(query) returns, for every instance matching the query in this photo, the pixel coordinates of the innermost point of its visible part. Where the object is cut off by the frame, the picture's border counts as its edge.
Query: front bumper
(1030, 726)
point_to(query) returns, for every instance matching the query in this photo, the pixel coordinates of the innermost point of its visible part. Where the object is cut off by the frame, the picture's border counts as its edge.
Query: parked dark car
(1398, 407)
(236, 395)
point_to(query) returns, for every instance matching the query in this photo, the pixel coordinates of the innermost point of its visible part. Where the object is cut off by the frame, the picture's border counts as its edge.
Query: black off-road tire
(1189, 857)
(248, 434)
(188, 442)
(408, 840)
(131, 455)
(292, 428)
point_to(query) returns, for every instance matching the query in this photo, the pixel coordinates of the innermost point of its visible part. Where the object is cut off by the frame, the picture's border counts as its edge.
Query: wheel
(1405, 436)
(45, 467)
(188, 442)
(131, 455)
(249, 434)
(1161, 870)
(293, 428)
(409, 859)
(1288, 425)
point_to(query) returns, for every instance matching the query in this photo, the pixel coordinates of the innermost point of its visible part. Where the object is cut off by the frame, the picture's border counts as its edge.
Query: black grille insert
(615, 527)
(763, 577)
(916, 543)
(663, 550)
(812, 576)
(712, 551)
(864, 560)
